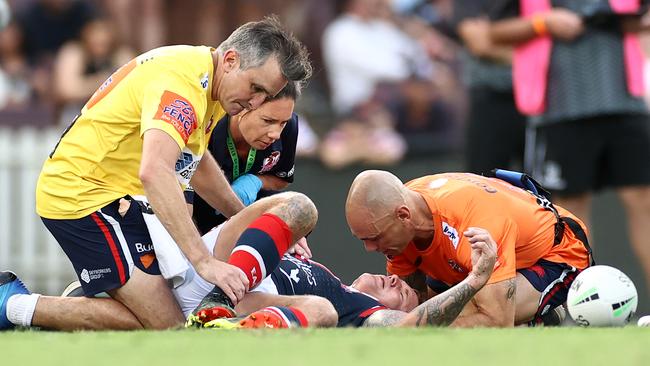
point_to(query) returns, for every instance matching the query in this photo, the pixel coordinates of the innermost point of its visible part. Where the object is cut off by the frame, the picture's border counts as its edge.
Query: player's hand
(564, 24)
(300, 248)
(227, 277)
(484, 252)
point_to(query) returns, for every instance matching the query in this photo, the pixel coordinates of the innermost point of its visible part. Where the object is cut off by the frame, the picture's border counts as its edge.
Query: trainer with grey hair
(134, 147)
(255, 42)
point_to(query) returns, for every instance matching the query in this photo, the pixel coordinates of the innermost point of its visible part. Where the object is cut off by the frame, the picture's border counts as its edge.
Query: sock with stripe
(257, 253)
(276, 317)
(296, 317)
(260, 247)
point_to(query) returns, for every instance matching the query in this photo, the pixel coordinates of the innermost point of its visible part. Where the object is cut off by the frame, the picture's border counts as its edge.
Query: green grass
(336, 347)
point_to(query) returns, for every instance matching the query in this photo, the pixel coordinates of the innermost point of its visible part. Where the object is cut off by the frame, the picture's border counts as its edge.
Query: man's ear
(403, 213)
(230, 60)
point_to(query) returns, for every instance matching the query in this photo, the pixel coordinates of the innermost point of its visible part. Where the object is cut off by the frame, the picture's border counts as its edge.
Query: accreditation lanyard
(235, 158)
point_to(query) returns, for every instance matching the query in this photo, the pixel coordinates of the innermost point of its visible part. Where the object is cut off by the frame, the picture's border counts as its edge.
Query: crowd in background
(386, 81)
(391, 75)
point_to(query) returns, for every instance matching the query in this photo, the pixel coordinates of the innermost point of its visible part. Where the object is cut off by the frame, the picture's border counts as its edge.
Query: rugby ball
(602, 296)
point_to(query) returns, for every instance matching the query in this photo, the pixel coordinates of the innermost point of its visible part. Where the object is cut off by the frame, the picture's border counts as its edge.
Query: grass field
(337, 347)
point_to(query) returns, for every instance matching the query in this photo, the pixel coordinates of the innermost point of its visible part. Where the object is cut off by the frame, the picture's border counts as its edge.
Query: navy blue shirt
(298, 276)
(277, 159)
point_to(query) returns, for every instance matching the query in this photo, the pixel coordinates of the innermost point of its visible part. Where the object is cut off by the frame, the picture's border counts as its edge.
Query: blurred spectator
(308, 141)
(495, 130)
(22, 89)
(15, 86)
(48, 24)
(43, 26)
(146, 24)
(141, 24)
(81, 66)
(316, 15)
(29, 47)
(361, 48)
(381, 78)
(438, 124)
(5, 14)
(437, 14)
(578, 74)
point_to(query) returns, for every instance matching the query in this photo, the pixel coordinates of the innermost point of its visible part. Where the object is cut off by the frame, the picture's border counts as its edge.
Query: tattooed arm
(446, 307)
(493, 306)
(442, 309)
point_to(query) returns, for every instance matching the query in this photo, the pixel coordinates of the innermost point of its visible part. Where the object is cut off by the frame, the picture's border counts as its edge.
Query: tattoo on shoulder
(444, 308)
(512, 288)
(384, 318)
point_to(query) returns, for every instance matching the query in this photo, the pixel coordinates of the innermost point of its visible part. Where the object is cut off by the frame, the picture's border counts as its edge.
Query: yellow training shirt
(97, 160)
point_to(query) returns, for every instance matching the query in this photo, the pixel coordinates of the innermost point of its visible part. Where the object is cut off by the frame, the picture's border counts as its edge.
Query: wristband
(539, 25)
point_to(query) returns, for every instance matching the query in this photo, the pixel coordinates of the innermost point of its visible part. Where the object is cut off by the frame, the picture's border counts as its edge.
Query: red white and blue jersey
(299, 276)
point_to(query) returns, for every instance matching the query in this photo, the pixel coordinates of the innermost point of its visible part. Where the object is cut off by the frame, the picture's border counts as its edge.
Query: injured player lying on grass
(371, 300)
(301, 292)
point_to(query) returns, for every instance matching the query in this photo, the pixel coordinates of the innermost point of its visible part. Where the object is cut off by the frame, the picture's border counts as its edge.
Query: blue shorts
(553, 281)
(105, 246)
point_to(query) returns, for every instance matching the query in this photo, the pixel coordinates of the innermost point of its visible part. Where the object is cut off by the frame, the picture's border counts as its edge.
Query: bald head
(374, 194)
(377, 212)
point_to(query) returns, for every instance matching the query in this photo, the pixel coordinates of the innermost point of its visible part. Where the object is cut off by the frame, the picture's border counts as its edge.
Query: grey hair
(257, 41)
(292, 90)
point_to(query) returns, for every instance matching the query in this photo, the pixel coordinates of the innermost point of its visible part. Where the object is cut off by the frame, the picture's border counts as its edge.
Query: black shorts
(553, 281)
(105, 246)
(586, 155)
(495, 132)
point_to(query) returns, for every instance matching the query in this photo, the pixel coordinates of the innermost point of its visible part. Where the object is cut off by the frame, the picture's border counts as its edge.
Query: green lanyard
(235, 158)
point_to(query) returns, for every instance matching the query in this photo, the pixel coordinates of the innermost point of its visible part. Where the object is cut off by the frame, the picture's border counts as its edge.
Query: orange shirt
(523, 230)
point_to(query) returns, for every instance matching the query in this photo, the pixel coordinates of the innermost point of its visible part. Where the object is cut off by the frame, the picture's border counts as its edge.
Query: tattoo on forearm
(444, 308)
(512, 288)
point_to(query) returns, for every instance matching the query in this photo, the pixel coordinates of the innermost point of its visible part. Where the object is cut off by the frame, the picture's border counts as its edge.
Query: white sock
(20, 309)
